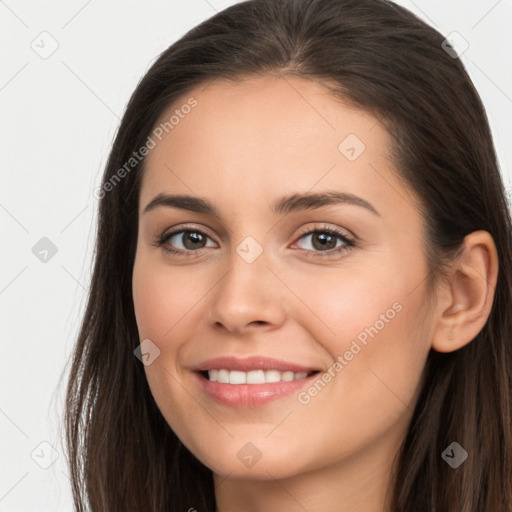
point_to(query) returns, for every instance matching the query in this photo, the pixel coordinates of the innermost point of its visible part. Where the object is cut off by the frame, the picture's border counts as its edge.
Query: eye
(323, 241)
(326, 241)
(184, 241)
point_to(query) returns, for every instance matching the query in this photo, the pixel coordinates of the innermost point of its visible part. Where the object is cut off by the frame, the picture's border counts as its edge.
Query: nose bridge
(248, 294)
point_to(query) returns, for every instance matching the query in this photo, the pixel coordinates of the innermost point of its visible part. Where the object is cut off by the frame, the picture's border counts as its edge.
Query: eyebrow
(287, 204)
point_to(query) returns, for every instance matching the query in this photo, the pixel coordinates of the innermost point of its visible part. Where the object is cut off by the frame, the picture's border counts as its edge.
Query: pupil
(324, 239)
(194, 238)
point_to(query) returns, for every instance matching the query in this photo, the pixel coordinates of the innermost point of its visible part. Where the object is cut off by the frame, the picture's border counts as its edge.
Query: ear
(465, 299)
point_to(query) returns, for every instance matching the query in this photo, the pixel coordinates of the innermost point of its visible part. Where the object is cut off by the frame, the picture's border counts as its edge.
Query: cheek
(374, 380)
(381, 300)
(149, 305)
(374, 321)
(343, 304)
(161, 298)
(163, 304)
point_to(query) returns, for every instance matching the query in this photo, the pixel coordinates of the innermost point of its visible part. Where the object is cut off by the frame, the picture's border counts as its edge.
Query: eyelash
(348, 242)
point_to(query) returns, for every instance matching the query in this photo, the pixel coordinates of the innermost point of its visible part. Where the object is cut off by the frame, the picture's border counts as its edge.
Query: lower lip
(250, 395)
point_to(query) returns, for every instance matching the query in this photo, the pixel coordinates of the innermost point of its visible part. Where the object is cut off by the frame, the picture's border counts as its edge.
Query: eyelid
(325, 227)
(187, 227)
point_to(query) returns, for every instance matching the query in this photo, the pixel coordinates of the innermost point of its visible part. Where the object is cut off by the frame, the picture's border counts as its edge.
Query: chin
(248, 460)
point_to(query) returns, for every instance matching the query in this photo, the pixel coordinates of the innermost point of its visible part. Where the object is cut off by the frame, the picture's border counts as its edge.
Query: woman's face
(277, 285)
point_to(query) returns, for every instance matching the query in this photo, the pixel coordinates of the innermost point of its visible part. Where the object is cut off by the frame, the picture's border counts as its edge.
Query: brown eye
(323, 241)
(184, 241)
(326, 242)
(193, 240)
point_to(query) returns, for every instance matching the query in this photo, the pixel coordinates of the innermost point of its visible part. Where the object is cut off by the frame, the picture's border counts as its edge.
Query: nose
(249, 297)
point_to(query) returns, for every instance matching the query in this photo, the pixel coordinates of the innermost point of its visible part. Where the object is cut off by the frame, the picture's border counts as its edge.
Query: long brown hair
(381, 58)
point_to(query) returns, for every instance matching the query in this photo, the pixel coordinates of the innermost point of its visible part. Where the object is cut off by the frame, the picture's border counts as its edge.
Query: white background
(58, 118)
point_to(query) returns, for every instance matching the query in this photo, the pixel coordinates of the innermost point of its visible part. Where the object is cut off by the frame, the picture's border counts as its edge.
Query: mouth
(237, 377)
(253, 381)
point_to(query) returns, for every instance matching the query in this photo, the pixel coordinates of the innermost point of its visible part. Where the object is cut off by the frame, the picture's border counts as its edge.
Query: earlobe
(465, 299)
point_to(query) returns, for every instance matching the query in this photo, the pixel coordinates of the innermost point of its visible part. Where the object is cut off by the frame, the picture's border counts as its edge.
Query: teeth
(222, 376)
(253, 377)
(237, 377)
(256, 377)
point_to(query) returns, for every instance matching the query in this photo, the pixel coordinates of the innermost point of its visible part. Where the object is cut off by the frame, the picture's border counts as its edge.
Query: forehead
(263, 137)
(290, 114)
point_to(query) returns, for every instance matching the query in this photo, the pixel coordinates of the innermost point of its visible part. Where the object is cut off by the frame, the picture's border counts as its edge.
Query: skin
(243, 146)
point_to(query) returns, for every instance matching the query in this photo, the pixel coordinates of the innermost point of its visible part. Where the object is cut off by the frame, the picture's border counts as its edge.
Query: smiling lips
(252, 381)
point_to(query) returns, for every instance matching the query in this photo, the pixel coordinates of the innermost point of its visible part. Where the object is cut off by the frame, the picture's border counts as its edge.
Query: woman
(302, 284)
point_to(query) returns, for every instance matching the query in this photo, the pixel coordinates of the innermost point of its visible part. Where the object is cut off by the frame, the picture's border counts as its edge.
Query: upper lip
(252, 363)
